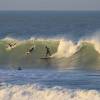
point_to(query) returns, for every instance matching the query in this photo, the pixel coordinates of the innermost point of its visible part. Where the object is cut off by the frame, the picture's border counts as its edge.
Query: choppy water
(49, 84)
(72, 72)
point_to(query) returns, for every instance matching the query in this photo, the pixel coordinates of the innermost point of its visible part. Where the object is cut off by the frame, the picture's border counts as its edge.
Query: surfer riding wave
(48, 53)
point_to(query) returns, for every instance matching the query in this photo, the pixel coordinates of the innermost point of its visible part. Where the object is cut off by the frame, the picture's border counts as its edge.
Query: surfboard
(46, 58)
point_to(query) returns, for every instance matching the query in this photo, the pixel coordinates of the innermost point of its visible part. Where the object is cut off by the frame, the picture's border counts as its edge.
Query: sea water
(72, 72)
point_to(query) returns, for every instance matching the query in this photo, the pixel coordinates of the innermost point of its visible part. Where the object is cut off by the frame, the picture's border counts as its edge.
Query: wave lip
(33, 92)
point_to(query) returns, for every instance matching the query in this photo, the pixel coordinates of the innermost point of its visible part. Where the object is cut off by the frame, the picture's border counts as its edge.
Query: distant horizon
(51, 10)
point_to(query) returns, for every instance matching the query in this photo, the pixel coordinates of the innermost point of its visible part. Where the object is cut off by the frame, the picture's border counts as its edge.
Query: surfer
(47, 51)
(30, 50)
(19, 68)
(11, 45)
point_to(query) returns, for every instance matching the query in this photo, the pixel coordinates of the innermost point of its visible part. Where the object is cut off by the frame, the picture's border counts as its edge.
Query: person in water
(30, 50)
(47, 51)
(19, 68)
(11, 45)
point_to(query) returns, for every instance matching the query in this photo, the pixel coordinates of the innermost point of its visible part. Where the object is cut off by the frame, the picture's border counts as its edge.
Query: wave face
(32, 92)
(64, 53)
(17, 54)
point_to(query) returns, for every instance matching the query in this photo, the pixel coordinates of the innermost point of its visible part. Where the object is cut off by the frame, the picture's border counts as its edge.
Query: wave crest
(64, 52)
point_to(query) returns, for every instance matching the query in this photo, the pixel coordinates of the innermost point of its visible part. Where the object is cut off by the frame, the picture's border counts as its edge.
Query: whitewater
(49, 84)
(28, 92)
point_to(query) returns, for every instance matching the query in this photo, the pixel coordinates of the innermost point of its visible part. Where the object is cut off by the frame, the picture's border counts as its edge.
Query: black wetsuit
(47, 51)
(31, 49)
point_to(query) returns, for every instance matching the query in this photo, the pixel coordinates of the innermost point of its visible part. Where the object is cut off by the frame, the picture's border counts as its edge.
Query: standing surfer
(47, 51)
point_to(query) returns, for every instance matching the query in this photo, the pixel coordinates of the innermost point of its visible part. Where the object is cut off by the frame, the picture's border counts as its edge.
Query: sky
(49, 4)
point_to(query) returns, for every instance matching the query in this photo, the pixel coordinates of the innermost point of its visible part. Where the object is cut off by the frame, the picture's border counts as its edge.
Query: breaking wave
(64, 53)
(33, 92)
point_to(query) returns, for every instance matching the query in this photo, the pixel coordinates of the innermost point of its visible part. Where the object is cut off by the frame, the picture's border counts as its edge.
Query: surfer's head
(46, 47)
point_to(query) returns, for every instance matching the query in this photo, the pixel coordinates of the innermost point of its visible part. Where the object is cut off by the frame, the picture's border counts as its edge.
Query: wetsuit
(47, 51)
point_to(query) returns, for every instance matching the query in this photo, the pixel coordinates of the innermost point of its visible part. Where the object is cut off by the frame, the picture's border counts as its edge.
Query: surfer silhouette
(30, 50)
(19, 68)
(47, 51)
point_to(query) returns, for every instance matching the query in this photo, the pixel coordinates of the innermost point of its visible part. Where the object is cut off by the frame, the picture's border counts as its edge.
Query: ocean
(72, 72)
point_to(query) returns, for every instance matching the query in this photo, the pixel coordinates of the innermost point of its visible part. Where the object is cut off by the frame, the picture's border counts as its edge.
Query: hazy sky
(49, 4)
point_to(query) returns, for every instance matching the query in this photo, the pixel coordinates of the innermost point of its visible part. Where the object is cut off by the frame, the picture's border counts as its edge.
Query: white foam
(66, 49)
(44, 39)
(10, 39)
(32, 92)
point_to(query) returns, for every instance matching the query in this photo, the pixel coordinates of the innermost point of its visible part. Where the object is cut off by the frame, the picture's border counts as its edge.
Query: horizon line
(49, 10)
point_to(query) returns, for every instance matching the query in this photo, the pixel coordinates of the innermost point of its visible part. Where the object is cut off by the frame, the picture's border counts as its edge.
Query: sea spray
(65, 49)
